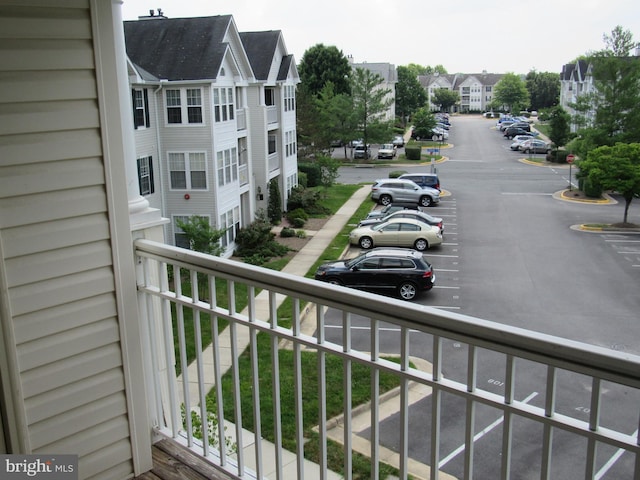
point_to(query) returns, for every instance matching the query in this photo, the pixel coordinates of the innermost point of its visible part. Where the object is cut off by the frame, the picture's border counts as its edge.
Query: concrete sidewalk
(299, 265)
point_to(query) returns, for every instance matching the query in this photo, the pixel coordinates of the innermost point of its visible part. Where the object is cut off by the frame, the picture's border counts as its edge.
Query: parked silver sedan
(401, 232)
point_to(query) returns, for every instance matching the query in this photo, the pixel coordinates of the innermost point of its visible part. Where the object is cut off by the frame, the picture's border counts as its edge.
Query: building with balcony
(89, 299)
(214, 118)
(475, 90)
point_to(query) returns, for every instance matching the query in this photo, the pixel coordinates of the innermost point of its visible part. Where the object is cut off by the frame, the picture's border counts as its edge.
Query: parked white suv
(398, 191)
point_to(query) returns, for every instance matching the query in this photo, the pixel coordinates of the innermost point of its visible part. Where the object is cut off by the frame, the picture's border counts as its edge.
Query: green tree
(328, 170)
(620, 43)
(445, 99)
(410, 95)
(202, 236)
(615, 168)
(321, 64)
(335, 118)
(543, 88)
(370, 102)
(274, 205)
(307, 122)
(559, 129)
(511, 92)
(423, 122)
(609, 114)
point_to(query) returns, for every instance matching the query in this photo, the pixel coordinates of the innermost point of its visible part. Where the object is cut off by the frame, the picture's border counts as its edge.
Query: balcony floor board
(172, 461)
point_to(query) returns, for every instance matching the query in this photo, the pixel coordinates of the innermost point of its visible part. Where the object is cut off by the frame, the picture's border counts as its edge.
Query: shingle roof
(260, 48)
(178, 48)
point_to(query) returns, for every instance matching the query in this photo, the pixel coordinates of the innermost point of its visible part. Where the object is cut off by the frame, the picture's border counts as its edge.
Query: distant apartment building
(215, 119)
(389, 75)
(475, 90)
(576, 79)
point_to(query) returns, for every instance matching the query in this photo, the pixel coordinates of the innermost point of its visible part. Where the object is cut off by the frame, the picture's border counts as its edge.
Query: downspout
(160, 159)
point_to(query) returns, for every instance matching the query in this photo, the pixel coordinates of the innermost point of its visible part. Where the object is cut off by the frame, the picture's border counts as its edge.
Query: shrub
(274, 207)
(301, 234)
(297, 213)
(413, 153)
(396, 173)
(298, 222)
(591, 189)
(256, 242)
(313, 173)
(287, 232)
(307, 200)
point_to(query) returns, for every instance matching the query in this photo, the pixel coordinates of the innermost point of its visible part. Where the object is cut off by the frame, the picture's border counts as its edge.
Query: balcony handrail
(557, 354)
(582, 358)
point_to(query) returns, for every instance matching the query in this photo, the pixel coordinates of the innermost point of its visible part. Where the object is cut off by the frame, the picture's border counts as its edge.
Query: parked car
(398, 141)
(387, 150)
(399, 232)
(430, 180)
(535, 146)
(399, 271)
(511, 132)
(518, 139)
(396, 190)
(414, 214)
(360, 151)
(387, 209)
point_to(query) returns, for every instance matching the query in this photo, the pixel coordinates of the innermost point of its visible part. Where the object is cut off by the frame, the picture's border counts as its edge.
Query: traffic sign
(570, 158)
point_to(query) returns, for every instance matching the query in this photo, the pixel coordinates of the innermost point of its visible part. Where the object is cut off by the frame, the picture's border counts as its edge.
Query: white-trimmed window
(289, 98)
(145, 176)
(269, 96)
(223, 105)
(271, 144)
(179, 237)
(292, 181)
(188, 171)
(290, 143)
(227, 166)
(230, 222)
(185, 103)
(140, 100)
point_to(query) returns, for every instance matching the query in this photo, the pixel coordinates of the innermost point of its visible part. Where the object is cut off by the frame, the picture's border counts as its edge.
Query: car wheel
(407, 291)
(385, 200)
(425, 201)
(435, 138)
(335, 281)
(366, 243)
(421, 244)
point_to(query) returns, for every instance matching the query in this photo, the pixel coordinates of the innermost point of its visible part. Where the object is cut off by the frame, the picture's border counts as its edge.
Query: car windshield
(352, 261)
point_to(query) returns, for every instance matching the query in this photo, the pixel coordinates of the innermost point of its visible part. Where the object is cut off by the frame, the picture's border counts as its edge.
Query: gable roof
(178, 48)
(260, 48)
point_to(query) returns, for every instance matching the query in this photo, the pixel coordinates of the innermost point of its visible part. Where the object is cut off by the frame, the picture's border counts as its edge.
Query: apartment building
(475, 89)
(214, 117)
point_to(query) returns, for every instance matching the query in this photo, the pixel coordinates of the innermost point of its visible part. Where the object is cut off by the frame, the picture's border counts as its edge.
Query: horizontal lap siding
(56, 248)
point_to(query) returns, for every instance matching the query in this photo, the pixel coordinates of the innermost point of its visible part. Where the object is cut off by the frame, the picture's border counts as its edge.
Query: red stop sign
(570, 158)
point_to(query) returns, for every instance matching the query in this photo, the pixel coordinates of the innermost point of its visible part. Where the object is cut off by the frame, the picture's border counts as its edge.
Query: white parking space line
(620, 240)
(443, 287)
(605, 468)
(479, 435)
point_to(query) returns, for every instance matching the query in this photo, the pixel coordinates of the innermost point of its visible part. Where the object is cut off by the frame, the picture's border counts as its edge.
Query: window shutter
(151, 183)
(146, 110)
(139, 161)
(135, 124)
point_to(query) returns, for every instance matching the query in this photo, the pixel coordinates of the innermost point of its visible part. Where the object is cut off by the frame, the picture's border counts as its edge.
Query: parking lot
(513, 254)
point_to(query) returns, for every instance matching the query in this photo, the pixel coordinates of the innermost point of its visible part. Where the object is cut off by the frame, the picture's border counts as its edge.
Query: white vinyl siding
(59, 300)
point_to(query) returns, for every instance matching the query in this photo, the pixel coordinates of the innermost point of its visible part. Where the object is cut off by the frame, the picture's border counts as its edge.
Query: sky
(464, 36)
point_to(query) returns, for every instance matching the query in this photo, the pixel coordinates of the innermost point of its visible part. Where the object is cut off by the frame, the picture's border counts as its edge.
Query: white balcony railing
(274, 161)
(272, 114)
(243, 174)
(533, 432)
(241, 119)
